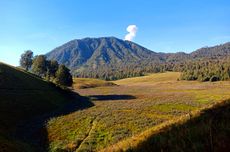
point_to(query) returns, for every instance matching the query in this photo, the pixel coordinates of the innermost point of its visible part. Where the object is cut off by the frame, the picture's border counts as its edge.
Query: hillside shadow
(34, 132)
(111, 97)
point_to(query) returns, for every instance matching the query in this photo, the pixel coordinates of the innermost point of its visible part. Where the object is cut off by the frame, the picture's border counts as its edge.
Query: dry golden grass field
(129, 108)
(82, 83)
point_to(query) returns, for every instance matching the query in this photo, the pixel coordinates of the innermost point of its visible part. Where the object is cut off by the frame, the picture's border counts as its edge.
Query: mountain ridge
(100, 55)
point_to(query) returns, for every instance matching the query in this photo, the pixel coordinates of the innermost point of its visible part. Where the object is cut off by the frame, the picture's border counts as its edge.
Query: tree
(26, 59)
(52, 67)
(63, 76)
(39, 65)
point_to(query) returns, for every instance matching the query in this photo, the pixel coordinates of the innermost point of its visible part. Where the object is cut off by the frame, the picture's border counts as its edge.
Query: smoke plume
(132, 29)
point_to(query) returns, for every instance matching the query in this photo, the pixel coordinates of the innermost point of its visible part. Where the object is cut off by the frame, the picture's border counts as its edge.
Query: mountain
(112, 58)
(222, 50)
(95, 53)
(100, 51)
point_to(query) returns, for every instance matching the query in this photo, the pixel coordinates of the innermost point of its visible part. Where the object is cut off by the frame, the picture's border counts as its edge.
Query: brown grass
(142, 141)
(132, 107)
(82, 83)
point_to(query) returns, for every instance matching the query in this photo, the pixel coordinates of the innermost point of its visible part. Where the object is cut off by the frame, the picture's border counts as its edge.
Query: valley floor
(129, 108)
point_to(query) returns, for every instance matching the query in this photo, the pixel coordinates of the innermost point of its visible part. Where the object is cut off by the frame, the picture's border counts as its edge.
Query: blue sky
(163, 25)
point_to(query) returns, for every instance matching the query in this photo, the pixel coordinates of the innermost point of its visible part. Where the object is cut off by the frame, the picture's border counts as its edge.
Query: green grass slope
(24, 96)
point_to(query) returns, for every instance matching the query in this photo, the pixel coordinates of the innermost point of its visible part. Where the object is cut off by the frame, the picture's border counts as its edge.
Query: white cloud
(132, 29)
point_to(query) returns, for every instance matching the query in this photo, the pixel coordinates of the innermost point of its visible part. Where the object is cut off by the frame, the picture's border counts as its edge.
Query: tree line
(203, 69)
(120, 71)
(47, 69)
(207, 70)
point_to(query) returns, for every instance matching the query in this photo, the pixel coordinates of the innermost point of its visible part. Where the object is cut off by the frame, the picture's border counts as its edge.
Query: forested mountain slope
(111, 58)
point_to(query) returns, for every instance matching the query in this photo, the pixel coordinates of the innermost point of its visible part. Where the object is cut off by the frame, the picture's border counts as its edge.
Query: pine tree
(63, 76)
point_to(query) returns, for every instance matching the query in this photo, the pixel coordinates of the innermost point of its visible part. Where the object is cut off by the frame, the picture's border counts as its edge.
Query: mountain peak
(98, 51)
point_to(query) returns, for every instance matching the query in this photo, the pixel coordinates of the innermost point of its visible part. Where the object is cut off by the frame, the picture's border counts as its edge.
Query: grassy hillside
(120, 113)
(132, 107)
(150, 78)
(24, 96)
(82, 83)
(202, 130)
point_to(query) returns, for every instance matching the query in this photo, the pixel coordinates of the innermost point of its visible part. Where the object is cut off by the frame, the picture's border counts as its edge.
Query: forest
(201, 69)
(207, 70)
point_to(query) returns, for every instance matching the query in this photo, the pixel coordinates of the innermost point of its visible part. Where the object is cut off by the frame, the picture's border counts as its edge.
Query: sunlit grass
(155, 99)
(205, 129)
(82, 83)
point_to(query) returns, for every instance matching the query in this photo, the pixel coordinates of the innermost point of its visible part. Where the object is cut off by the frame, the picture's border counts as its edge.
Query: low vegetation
(128, 114)
(132, 107)
(206, 129)
(82, 83)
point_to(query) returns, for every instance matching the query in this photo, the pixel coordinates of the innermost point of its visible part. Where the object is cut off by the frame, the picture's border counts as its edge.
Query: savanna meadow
(130, 107)
(114, 76)
(156, 111)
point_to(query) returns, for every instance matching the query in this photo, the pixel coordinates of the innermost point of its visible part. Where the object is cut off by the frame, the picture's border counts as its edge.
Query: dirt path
(93, 126)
